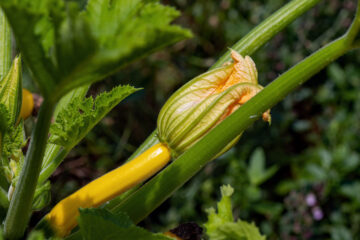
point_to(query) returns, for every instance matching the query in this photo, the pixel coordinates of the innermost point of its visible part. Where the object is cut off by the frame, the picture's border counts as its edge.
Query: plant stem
(355, 26)
(21, 202)
(5, 45)
(5, 64)
(1, 148)
(268, 28)
(57, 154)
(247, 45)
(161, 187)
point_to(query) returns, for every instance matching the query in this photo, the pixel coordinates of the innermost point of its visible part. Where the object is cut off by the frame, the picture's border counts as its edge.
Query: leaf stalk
(353, 31)
(5, 45)
(20, 205)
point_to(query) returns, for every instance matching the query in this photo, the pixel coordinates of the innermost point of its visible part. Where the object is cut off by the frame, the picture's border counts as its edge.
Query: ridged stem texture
(20, 205)
(5, 45)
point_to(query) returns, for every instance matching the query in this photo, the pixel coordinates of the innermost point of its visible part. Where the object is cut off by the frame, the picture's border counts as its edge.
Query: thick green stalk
(5, 45)
(268, 28)
(247, 46)
(55, 154)
(1, 147)
(21, 202)
(161, 187)
(5, 64)
(355, 26)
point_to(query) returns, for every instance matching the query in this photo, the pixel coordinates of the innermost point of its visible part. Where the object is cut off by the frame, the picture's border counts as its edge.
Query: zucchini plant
(67, 48)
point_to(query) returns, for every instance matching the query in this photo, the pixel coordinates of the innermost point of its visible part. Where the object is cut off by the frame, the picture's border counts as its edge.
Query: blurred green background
(298, 178)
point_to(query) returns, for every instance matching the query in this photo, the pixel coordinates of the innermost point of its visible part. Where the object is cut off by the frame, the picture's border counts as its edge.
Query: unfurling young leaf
(81, 115)
(221, 226)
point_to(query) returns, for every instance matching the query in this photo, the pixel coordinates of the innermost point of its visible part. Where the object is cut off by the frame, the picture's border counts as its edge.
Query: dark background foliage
(298, 178)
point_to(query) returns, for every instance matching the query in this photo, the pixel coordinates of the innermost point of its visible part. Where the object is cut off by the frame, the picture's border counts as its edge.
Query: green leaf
(30, 21)
(12, 155)
(66, 47)
(4, 119)
(5, 45)
(220, 226)
(238, 230)
(11, 90)
(100, 224)
(55, 154)
(121, 31)
(224, 206)
(13, 141)
(74, 122)
(256, 170)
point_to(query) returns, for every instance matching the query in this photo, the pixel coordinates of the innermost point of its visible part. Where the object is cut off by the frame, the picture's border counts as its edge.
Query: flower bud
(205, 101)
(11, 91)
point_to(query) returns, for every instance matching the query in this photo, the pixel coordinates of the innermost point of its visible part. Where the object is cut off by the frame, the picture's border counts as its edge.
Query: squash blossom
(186, 117)
(205, 101)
